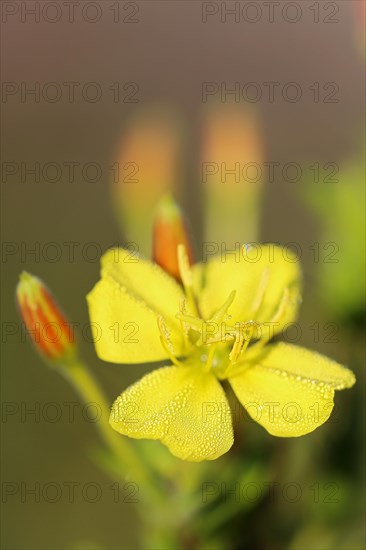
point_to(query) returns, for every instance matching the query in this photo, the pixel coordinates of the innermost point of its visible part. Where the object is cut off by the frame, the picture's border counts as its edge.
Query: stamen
(277, 317)
(188, 323)
(218, 318)
(282, 307)
(235, 350)
(222, 337)
(241, 343)
(258, 300)
(210, 358)
(221, 312)
(248, 336)
(192, 321)
(185, 273)
(183, 311)
(166, 341)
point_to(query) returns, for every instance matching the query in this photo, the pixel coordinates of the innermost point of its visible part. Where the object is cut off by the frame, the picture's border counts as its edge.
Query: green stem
(84, 383)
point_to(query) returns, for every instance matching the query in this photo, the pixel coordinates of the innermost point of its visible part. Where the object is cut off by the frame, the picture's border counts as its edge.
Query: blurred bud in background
(52, 334)
(170, 230)
(231, 173)
(149, 157)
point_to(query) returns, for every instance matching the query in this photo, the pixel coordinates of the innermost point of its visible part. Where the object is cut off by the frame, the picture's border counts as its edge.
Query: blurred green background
(169, 52)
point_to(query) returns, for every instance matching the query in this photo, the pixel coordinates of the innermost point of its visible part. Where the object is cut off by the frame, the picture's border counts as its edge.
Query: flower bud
(170, 230)
(51, 333)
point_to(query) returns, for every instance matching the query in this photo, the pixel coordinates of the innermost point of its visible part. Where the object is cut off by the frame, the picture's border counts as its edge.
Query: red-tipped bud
(51, 333)
(170, 230)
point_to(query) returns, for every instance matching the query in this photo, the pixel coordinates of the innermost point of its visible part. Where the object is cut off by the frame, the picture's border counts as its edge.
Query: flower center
(208, 341)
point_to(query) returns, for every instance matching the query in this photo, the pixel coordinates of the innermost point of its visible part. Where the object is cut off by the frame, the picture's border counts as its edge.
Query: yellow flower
(215, 326)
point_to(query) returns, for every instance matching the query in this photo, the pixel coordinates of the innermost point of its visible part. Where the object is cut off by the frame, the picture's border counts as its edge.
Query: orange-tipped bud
(51, 333)
(170, 230)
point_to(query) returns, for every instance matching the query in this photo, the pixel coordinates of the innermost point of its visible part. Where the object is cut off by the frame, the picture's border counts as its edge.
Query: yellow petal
(183, 407)
(124, 306)
(260, 285)
(145, 279)
(290, 390)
